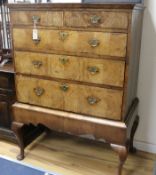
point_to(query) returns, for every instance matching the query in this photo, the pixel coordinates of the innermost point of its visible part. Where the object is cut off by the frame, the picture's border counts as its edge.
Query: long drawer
(99, 71)
(100, 102)
(90, 19)
(72, 42)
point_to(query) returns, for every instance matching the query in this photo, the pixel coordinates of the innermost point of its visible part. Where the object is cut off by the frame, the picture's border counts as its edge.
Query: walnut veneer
(80, 75)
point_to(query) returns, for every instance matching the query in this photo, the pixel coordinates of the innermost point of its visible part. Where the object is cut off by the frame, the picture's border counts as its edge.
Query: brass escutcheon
(36, 41)
(37, 64)
(93, 100)
(94, 42)
(64, 60)
(36, 19)
(95, 19)
(39, 91)
(64, 87)
(93, 69)
(63, 35)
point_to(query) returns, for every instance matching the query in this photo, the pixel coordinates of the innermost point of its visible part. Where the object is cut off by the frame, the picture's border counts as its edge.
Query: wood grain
(54, 18)
(111, 44)
(71, 67)
(75, 99)
(111, 20)
(52, 6)
(108, 20)
(67, 122)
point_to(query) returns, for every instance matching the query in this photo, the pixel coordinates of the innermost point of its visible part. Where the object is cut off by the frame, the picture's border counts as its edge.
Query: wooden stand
(121, 143)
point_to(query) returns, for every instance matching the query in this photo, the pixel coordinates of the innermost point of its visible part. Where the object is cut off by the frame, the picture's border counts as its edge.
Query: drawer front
(86, 43)
(31, 63)
(92, 19)
(96, 19)
(53, 18)
(100, 102)
(90, 70)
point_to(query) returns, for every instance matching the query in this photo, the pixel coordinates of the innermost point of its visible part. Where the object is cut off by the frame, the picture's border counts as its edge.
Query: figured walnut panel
(47, 18)
(31, 63)
(100, 102)
(51, 96)
(71, 67)
(75, 42)
(96, 19)
(109, 72)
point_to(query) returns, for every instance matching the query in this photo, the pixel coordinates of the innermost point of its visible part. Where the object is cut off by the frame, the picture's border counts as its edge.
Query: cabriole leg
(123, 153)
(132, 149)
(17, 129)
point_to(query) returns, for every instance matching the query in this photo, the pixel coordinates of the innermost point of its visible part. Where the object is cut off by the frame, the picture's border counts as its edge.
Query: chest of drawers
(79, 75)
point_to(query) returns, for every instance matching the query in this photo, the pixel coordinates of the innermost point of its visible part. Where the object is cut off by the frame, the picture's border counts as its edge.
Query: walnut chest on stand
(76, 70)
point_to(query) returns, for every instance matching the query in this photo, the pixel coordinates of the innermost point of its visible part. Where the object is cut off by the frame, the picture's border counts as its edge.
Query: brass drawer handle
(36, 41)
(64, 60)
(37, 64)
(93, 69)
(95, 19)
(36, 19)
(94, 42)
(64, 87)
(39, 91)
(63, 35)
(93, 100)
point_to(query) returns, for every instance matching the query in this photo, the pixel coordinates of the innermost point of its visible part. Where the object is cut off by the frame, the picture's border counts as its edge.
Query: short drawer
(92, 70)
(96, 19)
(94, 101)
(73, 42)
(43, 18)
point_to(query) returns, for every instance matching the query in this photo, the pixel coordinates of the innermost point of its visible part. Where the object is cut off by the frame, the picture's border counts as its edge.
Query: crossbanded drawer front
(99, 71)
(100, 102)
(31, 63)
(96, 19)
(91, 19)
(73, 42)
(41, 18)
